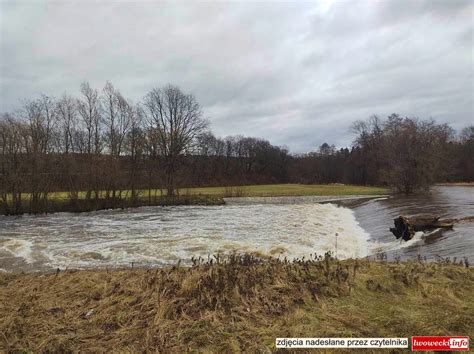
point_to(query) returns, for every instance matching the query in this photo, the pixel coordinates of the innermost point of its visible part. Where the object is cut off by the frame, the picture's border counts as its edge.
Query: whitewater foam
(163, 236)
(18, 248)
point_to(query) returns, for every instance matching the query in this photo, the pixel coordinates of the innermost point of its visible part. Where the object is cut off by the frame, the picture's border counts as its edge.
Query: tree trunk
(170, 174)
(405, 227)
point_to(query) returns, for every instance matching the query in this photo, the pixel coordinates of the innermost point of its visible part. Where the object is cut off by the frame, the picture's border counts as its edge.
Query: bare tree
(68, 142)
(67, 122)
(37, 141)
(465, 153)
(134, 146)
(106, 143)
(110, 117)
(177, 120)
(405, 153)
(11, 150)
(89, 110)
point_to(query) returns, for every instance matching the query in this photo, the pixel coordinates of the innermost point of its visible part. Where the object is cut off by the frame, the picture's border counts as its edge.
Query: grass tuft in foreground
(231, 304)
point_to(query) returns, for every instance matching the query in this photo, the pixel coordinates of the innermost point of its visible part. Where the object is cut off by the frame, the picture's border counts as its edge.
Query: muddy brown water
(284, 227)
(445, 201)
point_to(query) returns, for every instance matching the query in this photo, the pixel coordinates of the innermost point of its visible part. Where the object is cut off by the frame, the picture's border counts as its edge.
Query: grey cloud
(295, 73)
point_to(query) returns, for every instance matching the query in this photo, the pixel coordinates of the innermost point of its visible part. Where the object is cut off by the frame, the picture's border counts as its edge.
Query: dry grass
(240, 303)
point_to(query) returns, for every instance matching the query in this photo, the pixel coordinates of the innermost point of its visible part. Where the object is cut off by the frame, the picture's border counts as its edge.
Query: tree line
(103, 146)
(406, 154)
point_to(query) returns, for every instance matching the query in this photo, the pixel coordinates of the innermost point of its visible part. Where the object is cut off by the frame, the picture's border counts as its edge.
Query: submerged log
(406, 227)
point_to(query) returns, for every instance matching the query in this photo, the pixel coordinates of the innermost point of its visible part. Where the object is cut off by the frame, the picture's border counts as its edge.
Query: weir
(156, 236)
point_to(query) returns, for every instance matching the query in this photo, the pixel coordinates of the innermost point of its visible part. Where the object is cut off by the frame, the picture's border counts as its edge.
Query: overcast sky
(296, 73)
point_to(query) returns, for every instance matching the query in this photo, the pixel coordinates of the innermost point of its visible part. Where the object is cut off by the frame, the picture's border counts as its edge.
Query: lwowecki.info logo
(439, 343)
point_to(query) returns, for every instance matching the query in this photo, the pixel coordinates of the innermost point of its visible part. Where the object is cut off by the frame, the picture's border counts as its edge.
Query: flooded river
(286, 227)
(447, 202)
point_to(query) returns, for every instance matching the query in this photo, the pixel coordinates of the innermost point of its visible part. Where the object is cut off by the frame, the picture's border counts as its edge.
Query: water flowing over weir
(162, 236)
(376, 216)
(286, 227)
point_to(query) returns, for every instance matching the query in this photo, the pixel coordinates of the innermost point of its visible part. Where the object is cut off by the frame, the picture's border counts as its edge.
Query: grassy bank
(61, 202)
(458, 184)
(54, 205)
(241, 304)
(264, 190)
(278, 190)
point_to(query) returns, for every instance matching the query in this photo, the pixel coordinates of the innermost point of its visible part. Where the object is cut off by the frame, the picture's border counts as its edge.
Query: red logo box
(439, 343)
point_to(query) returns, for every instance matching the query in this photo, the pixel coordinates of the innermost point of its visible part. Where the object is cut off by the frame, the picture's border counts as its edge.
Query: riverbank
(61, 202)
(458, 184)
(291, 190)
(57, 205)
(239, 304)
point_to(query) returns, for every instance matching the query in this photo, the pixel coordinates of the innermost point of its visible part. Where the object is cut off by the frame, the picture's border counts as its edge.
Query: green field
(277, 190)
(264, 190)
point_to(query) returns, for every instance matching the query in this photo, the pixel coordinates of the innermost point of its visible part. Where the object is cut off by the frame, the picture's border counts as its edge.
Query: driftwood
(406, 227)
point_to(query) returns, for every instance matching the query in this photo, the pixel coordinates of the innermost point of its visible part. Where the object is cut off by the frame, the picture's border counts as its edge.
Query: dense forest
(104, 146)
